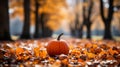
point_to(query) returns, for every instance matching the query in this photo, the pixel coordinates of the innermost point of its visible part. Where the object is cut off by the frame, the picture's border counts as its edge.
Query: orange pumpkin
(57, 47)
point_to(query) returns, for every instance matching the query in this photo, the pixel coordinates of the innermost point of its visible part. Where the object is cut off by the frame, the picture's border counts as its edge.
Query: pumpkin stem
(59, 36)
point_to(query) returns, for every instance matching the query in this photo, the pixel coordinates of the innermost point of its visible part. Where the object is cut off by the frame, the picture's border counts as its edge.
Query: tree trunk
(76, 21)
(80, 30)
(107, 33)
(88, 31)
(72, 30)
(76, 26)
(36, 35)
(42, 20)
(83, 23)
(46, 32)
(26, 27)
(4, 20)
(89, 23)
(86, 19)
(108, 19)
(75, 30)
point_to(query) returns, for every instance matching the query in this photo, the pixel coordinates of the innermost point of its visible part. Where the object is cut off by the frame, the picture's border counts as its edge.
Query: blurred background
(92, 19)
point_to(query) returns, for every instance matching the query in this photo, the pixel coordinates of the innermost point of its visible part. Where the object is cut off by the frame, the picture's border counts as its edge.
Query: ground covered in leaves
(82, 53)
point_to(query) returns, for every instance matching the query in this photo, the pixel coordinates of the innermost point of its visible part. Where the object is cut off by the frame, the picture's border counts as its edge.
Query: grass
(117, 38)
(93, 37)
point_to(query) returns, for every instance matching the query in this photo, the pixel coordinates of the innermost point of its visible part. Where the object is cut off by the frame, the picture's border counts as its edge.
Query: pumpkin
(57, 47)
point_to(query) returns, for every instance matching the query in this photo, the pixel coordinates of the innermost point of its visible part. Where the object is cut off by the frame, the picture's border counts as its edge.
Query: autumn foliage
(81, 53)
